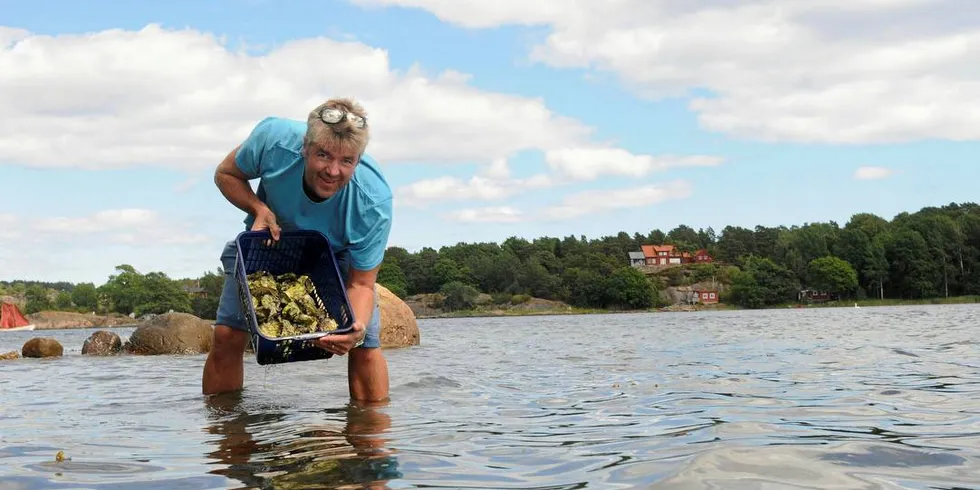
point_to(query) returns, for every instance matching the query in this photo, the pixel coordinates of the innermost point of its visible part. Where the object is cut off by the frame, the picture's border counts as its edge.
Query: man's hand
(265, 219)
(339, 345)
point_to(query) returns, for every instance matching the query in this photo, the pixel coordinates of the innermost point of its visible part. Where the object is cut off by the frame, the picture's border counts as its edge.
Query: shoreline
(866, 303)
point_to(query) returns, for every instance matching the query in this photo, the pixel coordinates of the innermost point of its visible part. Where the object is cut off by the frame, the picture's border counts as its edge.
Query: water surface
(825, 398)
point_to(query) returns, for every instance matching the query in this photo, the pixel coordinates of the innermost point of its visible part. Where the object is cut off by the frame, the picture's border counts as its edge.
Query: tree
(63, 301)
(631, 289)
(832, 275)
(458, 296)
(37, 299)
(84, 297)
(391, 276)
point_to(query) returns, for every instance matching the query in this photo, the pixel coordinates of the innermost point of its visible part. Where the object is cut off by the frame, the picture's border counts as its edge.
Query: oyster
(287, 305)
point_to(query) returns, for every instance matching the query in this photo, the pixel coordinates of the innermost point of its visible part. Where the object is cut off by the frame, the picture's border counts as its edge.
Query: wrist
(259, 208)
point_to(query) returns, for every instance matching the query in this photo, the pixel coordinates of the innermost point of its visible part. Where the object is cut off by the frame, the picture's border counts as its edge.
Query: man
(313, 175)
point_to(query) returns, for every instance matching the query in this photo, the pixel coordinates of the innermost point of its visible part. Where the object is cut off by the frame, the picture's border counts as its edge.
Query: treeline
(126, 292)
(930, 253)
(579, 271)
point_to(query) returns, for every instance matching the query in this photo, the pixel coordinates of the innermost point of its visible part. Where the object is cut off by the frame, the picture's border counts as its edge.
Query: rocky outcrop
(42, 347)
(171, 333)
(102, 343)
(57, 320)
(399, 327)
(9, 356)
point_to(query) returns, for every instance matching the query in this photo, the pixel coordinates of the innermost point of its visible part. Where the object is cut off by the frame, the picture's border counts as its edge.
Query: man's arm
(233, 184)
(360, 290)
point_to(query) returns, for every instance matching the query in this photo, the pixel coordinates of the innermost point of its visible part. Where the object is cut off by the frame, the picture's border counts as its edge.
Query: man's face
(328, 169)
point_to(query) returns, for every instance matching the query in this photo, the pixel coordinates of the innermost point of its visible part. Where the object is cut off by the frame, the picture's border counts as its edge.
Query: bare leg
(224, 370)
(367, 375)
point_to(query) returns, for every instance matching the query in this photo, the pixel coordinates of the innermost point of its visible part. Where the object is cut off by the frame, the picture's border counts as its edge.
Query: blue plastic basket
(301, 252)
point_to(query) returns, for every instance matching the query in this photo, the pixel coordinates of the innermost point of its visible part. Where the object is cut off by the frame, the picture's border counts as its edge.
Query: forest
(931, 253)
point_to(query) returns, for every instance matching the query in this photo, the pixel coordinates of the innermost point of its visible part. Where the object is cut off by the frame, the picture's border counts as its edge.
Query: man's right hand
(265, 219)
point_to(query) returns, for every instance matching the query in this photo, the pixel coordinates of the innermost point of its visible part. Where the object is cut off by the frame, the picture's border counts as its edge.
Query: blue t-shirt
(356, 220)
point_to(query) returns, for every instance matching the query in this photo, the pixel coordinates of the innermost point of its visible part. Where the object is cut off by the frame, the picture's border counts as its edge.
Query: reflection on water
(869, 398)
(270, 450)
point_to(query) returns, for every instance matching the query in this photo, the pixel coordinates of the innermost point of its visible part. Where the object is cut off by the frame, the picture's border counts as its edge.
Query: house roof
(653, 250)
(637, 255)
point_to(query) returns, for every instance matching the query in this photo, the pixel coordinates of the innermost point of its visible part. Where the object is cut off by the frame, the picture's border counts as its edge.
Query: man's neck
(310, 194)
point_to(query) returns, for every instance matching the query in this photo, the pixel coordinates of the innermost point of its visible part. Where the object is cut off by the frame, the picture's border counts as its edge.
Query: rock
(10, 356)
(399, 327)
(42, 347)
(102, 343)
(56, 320)
(171, 333)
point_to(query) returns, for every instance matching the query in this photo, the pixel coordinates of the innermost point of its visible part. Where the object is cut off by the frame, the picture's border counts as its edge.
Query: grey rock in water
(102, 343)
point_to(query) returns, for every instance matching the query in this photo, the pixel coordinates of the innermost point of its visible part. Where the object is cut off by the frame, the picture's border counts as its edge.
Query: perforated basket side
(301, 252)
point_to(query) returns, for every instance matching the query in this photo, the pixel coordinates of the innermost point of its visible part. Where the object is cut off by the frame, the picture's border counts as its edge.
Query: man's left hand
(339, 345)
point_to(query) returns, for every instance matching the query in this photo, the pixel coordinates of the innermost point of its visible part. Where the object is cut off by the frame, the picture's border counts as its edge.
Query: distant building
(670, 255)
(637, 259)
(195, 290)
(811, 296)
(702, 257)
(707, 296)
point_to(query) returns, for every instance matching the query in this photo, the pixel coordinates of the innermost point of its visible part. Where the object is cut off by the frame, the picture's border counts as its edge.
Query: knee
(228, 342)
(365, 357)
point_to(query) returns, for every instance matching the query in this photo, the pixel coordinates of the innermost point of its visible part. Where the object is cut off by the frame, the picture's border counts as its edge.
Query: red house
(702, 257)
(669, 255)
(707, 296)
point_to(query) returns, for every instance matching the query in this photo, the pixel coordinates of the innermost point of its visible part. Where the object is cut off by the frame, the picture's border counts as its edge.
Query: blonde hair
(344, 134)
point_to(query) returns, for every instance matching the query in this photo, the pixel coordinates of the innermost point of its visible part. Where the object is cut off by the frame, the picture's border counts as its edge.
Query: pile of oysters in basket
(287, 305)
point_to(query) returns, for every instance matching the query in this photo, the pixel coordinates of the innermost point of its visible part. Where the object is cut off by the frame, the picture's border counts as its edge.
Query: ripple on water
(860, 398)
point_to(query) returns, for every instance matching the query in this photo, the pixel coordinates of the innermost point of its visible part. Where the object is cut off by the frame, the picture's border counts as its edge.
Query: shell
(287, 305)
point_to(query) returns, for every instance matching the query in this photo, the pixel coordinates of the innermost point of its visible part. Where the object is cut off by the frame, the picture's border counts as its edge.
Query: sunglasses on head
(332, 115)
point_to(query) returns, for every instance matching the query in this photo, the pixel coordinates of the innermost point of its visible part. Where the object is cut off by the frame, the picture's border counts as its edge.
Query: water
(833, 398)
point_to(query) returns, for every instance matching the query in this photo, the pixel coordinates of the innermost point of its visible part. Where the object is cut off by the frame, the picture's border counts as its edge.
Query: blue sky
(548, 119)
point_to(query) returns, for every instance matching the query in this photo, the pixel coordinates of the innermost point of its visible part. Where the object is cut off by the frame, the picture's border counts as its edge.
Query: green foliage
(458, 296)
(392, 277)
(630, 289)
(129, 291)
(205, 305)
(763, 282)
(832, 275)
(37, 299)
(931, 253)
(85, 297)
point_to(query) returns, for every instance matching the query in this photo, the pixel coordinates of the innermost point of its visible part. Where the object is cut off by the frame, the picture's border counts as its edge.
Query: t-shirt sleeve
(250, 157)
(368, 252)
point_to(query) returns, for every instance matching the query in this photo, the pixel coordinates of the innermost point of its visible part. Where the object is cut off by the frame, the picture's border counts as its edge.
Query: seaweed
(287, 305)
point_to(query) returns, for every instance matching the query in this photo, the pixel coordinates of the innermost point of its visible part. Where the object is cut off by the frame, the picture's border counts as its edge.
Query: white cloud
(183, 99)
(87, 247)
(597, 201)
(138, 227)
(492, 183)
(499, 214)
(592, 163)
(873, 173)
(832, 71)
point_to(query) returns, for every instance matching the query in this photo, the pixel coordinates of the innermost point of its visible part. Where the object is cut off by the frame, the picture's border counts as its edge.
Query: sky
(490, 120)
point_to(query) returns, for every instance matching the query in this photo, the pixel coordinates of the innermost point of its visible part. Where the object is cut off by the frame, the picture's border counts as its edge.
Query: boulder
(42, 347)
(399, 327)
(102, 343)
(9, 356)
(171, 333)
